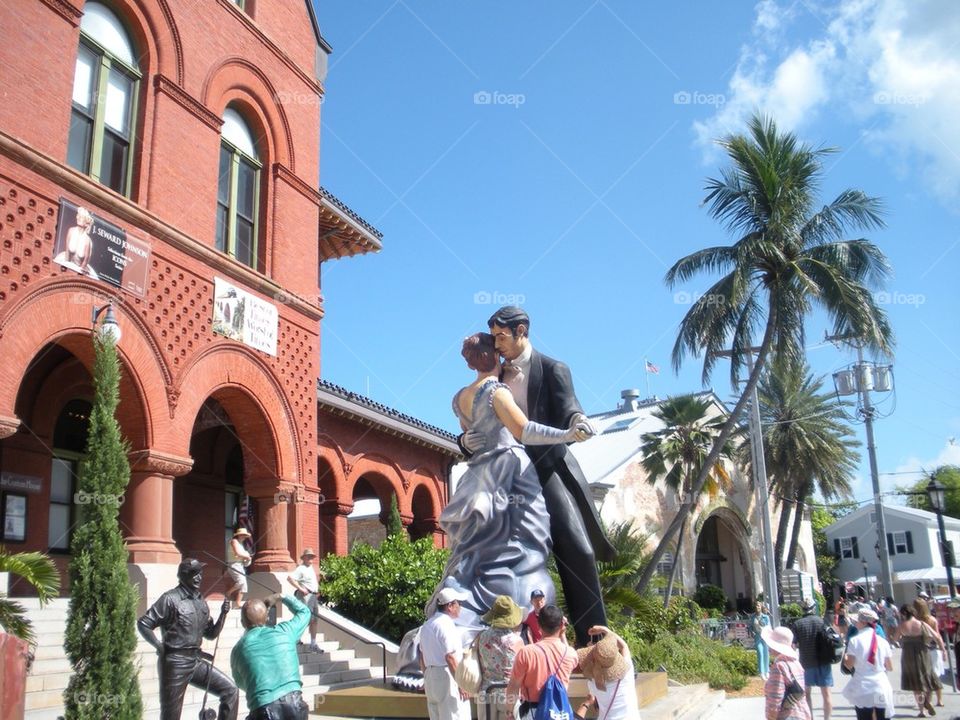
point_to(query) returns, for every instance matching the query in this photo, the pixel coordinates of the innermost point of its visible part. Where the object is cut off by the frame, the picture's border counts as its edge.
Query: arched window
(238, 190)
(104, 104)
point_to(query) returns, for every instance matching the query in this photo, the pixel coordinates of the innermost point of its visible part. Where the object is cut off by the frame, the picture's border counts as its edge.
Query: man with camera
(535, 663)
(265, 663)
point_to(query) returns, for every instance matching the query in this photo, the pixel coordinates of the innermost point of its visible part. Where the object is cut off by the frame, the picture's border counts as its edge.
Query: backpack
(830, 646)
(554, 704)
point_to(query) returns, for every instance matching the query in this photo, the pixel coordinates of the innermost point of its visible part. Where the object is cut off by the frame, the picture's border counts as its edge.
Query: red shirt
(533, 622)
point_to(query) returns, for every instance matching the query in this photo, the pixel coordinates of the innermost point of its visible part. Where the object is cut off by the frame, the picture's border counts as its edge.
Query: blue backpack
(554, 704)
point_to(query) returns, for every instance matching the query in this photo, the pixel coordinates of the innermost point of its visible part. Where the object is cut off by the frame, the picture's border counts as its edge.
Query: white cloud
(891, 65)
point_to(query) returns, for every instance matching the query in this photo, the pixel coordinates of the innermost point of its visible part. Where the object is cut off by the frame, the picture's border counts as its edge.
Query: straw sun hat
(603, 662)
(780, 640)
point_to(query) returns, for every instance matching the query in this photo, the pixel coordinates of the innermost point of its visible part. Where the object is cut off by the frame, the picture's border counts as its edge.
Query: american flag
(246, 518)
(651, 368)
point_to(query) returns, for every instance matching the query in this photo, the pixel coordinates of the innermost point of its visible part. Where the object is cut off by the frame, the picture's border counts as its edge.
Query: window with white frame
(105, 82)
(238, 190)
(900, 543)
(846, 547)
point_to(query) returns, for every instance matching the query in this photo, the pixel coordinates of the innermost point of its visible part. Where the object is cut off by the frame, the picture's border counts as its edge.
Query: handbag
(469, 670)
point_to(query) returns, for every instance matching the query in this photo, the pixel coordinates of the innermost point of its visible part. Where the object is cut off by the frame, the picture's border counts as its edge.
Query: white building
(913, 542)
(722, 543)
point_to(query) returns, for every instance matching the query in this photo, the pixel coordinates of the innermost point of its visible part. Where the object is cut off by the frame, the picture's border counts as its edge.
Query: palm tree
(38, 570)
(807, 444)
(788, 258)
(677, 452)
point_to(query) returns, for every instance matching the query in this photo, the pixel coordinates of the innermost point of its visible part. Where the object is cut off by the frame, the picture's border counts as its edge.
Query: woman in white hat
(784, 689)
(870, 657)
(609, 672)
(240, 559)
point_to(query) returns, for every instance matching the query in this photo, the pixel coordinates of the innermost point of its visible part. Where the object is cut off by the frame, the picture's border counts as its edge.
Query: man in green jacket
(265, 663)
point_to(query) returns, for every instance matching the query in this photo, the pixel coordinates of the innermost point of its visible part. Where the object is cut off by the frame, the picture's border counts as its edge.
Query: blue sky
(555, 155)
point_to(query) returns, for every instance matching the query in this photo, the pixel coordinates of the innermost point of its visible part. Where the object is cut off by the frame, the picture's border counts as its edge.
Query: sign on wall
(20, 483)
(99, 249)
(242, 316)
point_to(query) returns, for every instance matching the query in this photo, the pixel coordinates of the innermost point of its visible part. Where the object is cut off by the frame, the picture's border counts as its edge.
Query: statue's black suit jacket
(552, 401)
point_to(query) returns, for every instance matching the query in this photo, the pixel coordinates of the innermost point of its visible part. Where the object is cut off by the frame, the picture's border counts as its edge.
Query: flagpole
(646, 373)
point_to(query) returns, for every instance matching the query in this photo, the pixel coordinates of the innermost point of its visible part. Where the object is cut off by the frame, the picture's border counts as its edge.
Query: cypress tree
(101, 634)
(394, 523)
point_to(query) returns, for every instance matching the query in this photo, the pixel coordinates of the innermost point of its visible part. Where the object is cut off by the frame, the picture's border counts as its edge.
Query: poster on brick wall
(241, 316)
(91, 246)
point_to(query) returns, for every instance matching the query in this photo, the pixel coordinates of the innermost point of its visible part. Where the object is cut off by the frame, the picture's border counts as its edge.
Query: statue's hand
(225, 606)
(272, 600)
(582, 427)
(474, 441)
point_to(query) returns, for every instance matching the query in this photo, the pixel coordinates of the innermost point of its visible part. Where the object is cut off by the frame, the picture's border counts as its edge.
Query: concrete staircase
(335, 667)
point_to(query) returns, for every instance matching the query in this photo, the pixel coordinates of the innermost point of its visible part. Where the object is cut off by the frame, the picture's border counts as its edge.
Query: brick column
(272, 498)
(147, 511)
(333, 527)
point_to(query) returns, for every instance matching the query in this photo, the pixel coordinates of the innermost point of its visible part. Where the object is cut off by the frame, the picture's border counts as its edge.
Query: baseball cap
(448, 595)
(537, 593)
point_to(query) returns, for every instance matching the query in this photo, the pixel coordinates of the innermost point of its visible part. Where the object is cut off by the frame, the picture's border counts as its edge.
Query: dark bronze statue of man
(184, 620)
(543, 388)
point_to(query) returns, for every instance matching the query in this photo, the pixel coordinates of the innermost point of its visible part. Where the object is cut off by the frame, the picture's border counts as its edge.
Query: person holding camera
(534, 663)
(265, 664)
(607, 666)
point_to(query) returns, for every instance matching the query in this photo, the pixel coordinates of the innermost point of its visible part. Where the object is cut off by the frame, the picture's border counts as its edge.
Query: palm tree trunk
(728, 427)
(676, 562)
(797, 519)
(778, 547)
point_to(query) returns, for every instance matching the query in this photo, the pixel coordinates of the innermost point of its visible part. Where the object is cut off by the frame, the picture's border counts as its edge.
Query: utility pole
(863, 380)
(769, 564)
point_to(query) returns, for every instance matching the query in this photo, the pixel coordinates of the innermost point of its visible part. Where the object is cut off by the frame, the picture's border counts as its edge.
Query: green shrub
(690, 657)
(384, 589)
(683, 614)
(790, 611)
(711, 597)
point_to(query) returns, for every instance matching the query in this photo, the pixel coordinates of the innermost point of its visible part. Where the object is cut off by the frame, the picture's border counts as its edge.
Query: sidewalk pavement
(842, 709)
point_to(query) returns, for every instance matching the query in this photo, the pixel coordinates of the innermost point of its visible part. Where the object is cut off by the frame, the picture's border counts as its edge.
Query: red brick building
(162, 156)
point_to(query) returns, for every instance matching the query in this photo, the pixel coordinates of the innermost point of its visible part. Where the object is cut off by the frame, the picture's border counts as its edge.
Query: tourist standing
(937, 656)
(760, 620)
(265, 663)
(916, 673)
(535, 663)
(441, 649)
(817, 671)
(306, 586)
(870, 657)
(784, 689)
(497, 647)
(608, 668)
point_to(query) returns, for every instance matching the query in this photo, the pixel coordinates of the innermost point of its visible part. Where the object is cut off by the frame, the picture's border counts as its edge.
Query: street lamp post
(863, 378)
(866, 583)
(936, 491)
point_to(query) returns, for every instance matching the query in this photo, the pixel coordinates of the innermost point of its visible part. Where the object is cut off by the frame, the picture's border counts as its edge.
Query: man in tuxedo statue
(543, 389)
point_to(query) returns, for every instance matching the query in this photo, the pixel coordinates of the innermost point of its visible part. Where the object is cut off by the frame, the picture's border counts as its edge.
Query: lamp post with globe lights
(860, 379)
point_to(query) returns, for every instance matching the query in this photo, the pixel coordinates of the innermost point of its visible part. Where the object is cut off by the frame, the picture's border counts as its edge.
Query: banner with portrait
(91, 246)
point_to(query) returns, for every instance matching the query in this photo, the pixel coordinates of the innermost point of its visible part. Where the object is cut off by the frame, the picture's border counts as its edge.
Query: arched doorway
(723, 558)
(211, 501)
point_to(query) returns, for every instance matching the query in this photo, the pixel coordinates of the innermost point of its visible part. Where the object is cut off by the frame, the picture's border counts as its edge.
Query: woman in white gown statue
(497, 520)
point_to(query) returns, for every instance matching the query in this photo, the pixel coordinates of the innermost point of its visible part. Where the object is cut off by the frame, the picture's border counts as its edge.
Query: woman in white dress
(870, 657)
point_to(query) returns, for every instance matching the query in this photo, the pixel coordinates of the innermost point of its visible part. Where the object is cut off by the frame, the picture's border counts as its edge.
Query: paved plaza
(906, 706)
